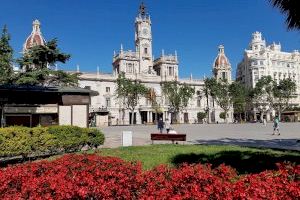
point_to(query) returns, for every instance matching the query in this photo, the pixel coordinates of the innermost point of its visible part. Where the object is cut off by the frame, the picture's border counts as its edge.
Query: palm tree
(291, 8)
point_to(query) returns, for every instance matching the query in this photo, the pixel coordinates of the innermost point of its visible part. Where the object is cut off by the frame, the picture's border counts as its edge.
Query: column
(150, 116)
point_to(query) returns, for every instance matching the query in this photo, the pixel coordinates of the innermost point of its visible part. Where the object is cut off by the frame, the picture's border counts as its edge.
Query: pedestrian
(264, 121)
(276, 125)
(160, 125)
(167, 125)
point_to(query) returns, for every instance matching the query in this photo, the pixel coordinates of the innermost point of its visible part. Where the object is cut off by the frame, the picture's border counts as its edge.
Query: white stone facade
(263, 60)
(142, 66)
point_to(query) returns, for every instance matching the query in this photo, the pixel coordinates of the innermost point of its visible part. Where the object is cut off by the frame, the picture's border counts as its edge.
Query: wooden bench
(171, 137)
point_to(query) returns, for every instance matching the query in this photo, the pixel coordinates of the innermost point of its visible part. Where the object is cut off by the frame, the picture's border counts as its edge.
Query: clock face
(145, 31)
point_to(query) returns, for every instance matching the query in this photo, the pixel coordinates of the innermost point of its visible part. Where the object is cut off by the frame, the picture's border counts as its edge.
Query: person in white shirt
(172, 131)
(167, 125)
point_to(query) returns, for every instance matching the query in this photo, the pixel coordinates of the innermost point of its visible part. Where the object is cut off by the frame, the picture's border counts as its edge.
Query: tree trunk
(279, 113)
(2, 115)
(123, 116)
(226, 120)
(208, 112)
(132, 117)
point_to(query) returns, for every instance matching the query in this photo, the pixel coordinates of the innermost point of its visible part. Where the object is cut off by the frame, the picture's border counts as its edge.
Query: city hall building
(140, 65)
(261, 60)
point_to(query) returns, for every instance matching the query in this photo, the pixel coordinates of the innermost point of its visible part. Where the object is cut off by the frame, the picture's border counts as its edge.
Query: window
(171, 71)
(224, 75)
(129, 68)
(107, 89)
(261, 62)
(107, 100)
(199, 102)
(198, 93)
(145, 50)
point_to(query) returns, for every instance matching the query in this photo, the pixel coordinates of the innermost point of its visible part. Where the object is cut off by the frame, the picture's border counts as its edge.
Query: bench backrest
(162, 136)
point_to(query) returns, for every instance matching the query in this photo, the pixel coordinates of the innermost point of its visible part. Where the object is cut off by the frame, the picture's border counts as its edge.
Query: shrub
(201, 116)
(68, 138)
(15, 141)
(96, 177)
(222, 115)
(94, 137)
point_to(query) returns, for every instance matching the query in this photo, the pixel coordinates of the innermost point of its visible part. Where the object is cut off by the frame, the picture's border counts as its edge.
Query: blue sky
(90, 30)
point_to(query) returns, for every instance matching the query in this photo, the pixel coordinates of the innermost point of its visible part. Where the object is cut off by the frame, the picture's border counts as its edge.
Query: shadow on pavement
(290, 144)
(243, 161)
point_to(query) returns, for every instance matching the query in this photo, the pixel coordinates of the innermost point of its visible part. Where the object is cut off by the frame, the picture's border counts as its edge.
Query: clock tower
(143, 41)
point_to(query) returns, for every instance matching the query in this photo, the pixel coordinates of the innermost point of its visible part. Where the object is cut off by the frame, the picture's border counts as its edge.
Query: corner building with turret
(261, 60)
(140, 65)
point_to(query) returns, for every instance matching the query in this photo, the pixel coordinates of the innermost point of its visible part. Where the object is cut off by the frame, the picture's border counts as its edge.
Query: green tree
(283, 93)
(239, 97)
(201, 116)
(223, 115)
(209, 89)
(156, 106)
(263, 93)
(37, 63)
(6, 57)
(291, 8)
(178, 96)
(6, 62)
(223, 97)
(129, 92)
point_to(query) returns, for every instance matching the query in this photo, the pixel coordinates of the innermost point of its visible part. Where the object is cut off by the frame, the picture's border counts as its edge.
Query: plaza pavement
(249, 134)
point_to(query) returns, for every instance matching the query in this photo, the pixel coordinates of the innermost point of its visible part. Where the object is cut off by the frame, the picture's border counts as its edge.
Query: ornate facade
(140, 65)
(261, 60)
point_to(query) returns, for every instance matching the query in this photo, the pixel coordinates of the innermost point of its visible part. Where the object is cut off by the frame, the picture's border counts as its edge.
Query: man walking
(276, 125)
(160, 125)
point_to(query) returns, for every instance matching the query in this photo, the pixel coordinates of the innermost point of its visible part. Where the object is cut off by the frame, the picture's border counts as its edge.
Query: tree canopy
(240, 97)
(6, 57)
(129, 92)
(178, 95)
(37, 67)
(223, 96)
(291, 8)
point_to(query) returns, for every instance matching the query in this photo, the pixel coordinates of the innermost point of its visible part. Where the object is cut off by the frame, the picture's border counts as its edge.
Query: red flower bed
(96, 177)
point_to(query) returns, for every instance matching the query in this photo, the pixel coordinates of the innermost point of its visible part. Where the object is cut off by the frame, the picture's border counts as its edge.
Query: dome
(221, 60)
(35, 38)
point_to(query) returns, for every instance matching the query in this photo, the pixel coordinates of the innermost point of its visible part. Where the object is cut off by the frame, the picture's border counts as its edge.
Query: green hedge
(17, 140)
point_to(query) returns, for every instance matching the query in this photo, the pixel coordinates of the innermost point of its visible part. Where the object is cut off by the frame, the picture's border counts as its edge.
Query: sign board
(75, 99)
(126, 138)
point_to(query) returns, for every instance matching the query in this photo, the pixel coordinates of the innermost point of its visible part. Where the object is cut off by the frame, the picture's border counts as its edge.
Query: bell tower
(143, 40)
(221, 66)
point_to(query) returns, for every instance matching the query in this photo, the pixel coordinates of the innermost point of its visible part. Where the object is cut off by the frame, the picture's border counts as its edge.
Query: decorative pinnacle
(142, 10)
(221, 49)
(36, 25)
